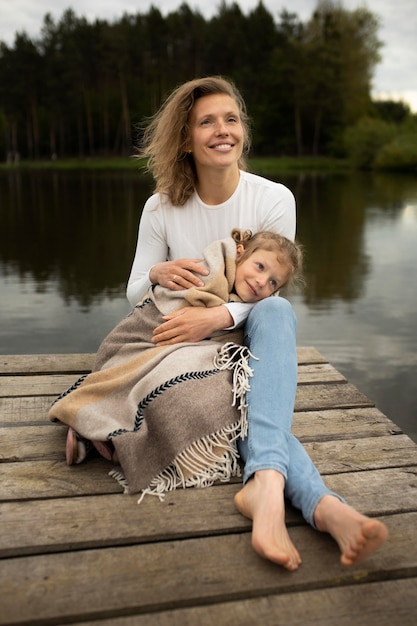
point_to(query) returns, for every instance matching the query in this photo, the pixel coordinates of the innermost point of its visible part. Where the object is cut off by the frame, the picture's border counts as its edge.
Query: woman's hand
(192, 324)
(178, 274)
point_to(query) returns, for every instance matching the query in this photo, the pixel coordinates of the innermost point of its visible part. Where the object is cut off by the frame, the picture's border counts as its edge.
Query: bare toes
(373, 534)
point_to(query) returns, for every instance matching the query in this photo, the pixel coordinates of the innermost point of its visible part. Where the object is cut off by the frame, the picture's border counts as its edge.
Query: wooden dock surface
(75, 550)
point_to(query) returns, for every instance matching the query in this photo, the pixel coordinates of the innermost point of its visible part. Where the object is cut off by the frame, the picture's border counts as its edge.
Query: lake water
(67, 241)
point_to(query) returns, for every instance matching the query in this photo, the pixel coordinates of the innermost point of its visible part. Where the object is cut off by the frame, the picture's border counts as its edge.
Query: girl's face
(260, 275)
(216, 132)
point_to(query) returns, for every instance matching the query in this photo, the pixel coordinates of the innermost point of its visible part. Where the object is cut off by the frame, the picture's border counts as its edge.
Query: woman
(195, 147)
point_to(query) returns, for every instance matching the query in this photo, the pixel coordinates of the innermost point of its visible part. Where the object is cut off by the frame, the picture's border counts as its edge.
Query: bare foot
(357, 535)
(262, 501)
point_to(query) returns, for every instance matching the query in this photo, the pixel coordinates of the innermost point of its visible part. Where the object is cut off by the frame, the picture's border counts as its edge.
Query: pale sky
(395, 77)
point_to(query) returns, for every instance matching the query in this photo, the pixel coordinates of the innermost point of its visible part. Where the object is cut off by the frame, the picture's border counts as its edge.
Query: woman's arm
(151, 248)
(197, 323)
(150, 265)
(192, 324)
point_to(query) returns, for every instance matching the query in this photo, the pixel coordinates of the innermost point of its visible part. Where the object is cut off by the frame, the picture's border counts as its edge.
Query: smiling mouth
(223, 147)
(251, 289)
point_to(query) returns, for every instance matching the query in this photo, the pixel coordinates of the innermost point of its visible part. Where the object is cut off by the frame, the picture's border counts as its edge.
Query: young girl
(265, 264)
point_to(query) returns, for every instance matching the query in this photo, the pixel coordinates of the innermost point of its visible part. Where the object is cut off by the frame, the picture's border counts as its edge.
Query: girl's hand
(192, 324)
(179, 274)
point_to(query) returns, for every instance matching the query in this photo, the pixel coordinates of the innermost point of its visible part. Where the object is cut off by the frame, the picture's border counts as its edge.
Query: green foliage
(401, 152)
(378, 144)
(391, 111)
(365, 139)
(82, 87)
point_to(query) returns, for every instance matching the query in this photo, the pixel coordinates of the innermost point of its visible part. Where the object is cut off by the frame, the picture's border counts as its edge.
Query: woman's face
(216, 132)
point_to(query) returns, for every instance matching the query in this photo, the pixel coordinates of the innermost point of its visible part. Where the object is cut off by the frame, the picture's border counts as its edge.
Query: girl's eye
(260, 266)
(273, 284)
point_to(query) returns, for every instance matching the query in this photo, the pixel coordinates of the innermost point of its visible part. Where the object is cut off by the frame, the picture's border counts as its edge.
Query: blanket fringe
(210, 459)
(213, 457)
(120, 478)
(234, 357)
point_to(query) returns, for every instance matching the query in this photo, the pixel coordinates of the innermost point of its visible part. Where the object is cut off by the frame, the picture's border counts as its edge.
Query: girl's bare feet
(357, 535)
(262, 501)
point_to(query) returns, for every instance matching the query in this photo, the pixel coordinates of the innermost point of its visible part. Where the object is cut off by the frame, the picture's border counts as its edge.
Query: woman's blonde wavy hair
(165, 139)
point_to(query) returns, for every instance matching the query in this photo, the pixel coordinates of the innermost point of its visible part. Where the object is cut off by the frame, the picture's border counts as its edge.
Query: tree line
(85, 88)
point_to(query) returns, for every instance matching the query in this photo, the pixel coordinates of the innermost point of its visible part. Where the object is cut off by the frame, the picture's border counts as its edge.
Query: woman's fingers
(185, 273)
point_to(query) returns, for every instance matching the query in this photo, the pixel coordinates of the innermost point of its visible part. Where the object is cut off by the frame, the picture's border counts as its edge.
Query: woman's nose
(221, 128)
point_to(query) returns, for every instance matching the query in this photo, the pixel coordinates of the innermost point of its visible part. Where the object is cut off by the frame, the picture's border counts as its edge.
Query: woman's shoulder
(161, 201)
(156, 201)
(261, 184)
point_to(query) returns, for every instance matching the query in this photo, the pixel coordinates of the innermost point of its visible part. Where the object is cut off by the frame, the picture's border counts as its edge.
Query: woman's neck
(215, 187)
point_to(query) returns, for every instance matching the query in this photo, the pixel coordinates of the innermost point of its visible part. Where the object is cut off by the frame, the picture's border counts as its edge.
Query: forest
(85, 89)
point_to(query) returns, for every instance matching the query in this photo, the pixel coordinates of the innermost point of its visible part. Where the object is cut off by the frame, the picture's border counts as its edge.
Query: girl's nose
(261, 280)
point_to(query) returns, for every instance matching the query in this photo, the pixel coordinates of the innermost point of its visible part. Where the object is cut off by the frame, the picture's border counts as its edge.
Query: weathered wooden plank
(333, 396)
(33, 441)
(25, 410)
(112, 520)
(28, 443)
(349, 455)
(81, 363)
(54, 384)
(342, 424)
(92, 584)
(117, 519)
(47, 440)
(54, 479)
(388, 603)
(319, 373)
(309, 398)
(45, 363)
(36, 385)
(309, 354)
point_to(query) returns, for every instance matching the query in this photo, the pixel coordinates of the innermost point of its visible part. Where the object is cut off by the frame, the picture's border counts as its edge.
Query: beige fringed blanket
(172, 413)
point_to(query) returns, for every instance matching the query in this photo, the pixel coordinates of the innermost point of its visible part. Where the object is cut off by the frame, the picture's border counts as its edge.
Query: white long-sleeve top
(168, 232)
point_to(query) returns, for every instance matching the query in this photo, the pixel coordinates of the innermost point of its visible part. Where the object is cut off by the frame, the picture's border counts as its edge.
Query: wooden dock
(75, 550)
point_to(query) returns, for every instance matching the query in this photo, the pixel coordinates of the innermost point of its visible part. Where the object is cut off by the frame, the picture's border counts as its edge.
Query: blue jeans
(270, 334)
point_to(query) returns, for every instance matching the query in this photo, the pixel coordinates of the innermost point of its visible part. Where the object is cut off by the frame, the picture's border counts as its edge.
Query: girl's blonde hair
(165, 140)
(288, 252)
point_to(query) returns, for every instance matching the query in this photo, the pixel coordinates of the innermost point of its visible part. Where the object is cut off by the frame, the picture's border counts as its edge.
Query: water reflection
(67, 240)
(74, 229)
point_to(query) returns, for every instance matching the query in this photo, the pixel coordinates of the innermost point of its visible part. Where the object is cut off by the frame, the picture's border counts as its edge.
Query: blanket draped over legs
(172, 413)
